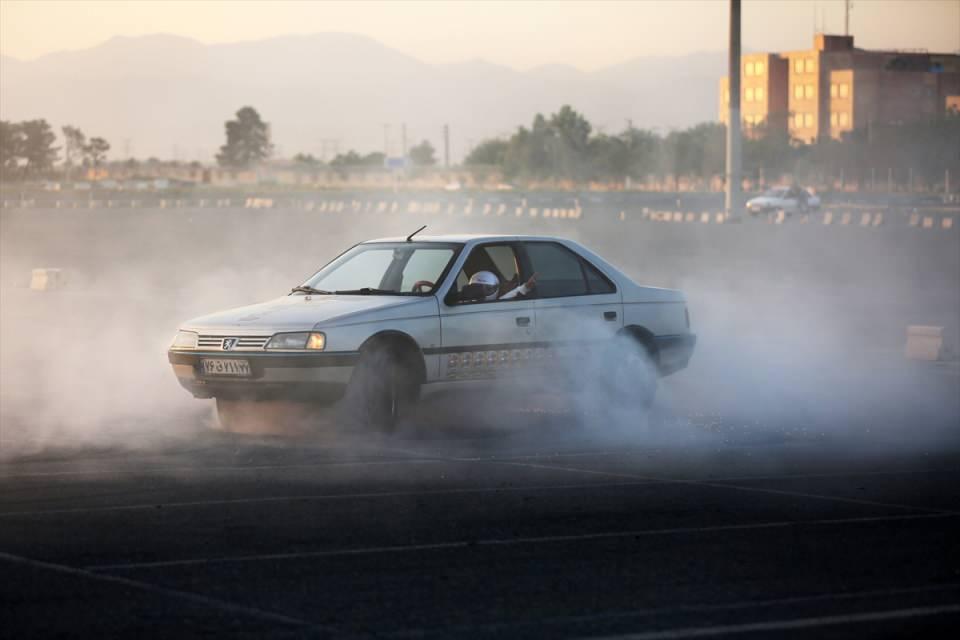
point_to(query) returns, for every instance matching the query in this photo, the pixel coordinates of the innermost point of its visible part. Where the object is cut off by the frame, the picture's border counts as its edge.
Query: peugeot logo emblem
(229, 343)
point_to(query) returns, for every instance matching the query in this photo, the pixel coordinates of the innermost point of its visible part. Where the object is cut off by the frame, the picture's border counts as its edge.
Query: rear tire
(633, 377)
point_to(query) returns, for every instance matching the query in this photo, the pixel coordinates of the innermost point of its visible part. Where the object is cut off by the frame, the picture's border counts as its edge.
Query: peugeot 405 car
(390, 315)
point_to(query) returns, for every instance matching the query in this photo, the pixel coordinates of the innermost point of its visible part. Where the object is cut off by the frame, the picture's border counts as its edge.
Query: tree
(353, 159)
(422, 154)
(488, 152)
(248, 140)
(95, 151)
(11, 148)
(75, 141)
(306, 160)
(37, 146)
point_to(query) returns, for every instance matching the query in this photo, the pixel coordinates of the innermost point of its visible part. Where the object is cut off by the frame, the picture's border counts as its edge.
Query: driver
(490, 285)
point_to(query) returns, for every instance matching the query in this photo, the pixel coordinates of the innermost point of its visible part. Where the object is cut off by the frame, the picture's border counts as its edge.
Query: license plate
(225, 367)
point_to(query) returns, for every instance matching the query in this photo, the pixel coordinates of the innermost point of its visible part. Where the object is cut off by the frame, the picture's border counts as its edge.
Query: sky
(520, 35)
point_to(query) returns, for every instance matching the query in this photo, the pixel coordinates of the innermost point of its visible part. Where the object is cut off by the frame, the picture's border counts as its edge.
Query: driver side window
(499, 259)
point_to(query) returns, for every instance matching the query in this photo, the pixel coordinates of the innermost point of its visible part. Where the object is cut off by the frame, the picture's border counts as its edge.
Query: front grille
(244, 343)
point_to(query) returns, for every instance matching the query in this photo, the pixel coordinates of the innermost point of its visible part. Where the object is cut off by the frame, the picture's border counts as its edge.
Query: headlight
(184, 340)
(306, 340)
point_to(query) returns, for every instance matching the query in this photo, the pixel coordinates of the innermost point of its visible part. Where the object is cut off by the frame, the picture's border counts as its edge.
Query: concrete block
(46, 279)
(928, 222)
(924, 343)
(828, 217)
(947, 222)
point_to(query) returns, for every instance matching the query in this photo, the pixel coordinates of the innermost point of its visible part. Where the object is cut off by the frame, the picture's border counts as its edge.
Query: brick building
(834, 88)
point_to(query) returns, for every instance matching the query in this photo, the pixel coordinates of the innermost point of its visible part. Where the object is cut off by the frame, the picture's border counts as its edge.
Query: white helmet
(488, 282)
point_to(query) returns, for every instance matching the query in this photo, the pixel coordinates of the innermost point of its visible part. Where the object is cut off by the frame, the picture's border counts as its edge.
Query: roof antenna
(410, 237)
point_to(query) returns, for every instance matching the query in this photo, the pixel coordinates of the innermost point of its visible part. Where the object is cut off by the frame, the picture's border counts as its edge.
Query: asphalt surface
(800, 479)
(541, 522)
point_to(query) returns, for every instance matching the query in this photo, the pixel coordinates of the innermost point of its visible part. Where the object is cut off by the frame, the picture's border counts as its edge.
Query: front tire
(384, 387)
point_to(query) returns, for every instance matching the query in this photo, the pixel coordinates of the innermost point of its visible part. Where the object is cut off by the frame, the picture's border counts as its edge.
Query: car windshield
(385, 268)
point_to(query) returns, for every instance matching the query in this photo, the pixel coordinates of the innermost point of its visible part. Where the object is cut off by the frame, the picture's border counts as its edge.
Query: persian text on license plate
(225, 367)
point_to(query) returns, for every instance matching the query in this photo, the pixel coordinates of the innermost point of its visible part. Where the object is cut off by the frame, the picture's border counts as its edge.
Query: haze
(520, 35)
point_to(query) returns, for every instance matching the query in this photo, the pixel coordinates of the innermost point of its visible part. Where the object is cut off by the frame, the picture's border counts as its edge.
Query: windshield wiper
(366, 291)
(305, 289)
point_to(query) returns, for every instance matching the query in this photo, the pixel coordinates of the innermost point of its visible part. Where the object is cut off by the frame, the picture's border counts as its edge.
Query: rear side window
(596, 281)
(558, 270)
(561, 272)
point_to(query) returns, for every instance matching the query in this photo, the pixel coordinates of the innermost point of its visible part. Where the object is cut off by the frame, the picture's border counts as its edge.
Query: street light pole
(732, 199)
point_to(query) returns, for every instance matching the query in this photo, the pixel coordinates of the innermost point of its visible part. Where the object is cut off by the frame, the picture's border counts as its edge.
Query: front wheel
(384, 387)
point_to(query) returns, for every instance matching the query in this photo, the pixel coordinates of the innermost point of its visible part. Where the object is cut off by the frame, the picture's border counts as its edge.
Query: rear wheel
(633, 375)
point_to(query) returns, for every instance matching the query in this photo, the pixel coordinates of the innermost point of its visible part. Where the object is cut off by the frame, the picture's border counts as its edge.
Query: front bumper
(674, 352)
(317, 376)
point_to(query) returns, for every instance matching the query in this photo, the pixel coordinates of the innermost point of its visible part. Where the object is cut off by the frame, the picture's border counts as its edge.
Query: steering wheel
(420, 284)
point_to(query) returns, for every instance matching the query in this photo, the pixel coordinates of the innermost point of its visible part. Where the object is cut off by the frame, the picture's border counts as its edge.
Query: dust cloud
(800, 329)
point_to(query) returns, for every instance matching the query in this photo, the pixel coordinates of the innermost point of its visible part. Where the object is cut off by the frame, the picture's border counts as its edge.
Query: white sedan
(388, 316)
(787, 199)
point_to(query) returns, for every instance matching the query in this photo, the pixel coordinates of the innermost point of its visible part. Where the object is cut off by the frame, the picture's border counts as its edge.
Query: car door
(575, 304)
(482, 339)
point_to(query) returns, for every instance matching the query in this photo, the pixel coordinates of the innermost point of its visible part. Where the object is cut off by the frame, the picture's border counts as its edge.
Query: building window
(759, 69)
(808, 90)
(798, 121)
(798, 65)
(759, 94)
(833, 119)
(748, 68)
(844, 119)
(749, 94)
(726, 96)
(808, 120)
(833, 90)
(810, 65)
(798, 91)
(844, 90)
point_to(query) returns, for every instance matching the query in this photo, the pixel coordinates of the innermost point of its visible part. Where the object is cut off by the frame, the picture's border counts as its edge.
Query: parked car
(787, 199)
(390, 315)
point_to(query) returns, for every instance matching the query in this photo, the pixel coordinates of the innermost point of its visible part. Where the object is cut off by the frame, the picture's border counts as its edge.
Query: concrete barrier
(925, 343)
(927, 222)
(46, 279)
(947, 222)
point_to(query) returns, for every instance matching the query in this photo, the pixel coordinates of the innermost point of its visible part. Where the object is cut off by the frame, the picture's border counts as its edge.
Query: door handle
(523, 321)
(610, 315)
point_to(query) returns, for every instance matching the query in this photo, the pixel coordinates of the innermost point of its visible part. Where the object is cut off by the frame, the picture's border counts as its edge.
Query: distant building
(835, 88)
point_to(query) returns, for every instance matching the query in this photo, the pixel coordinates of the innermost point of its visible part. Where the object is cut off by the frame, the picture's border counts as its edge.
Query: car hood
(302, 313)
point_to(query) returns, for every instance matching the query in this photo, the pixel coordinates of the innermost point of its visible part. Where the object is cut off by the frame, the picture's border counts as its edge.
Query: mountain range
(168, 96)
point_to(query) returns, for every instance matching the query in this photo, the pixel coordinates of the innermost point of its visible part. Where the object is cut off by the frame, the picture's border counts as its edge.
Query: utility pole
(403, 140)
(847, 5)
(446, 146)
(386, 140)
(732, 199)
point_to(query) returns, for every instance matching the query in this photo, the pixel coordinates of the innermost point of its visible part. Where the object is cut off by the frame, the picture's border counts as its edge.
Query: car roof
(465, 238)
